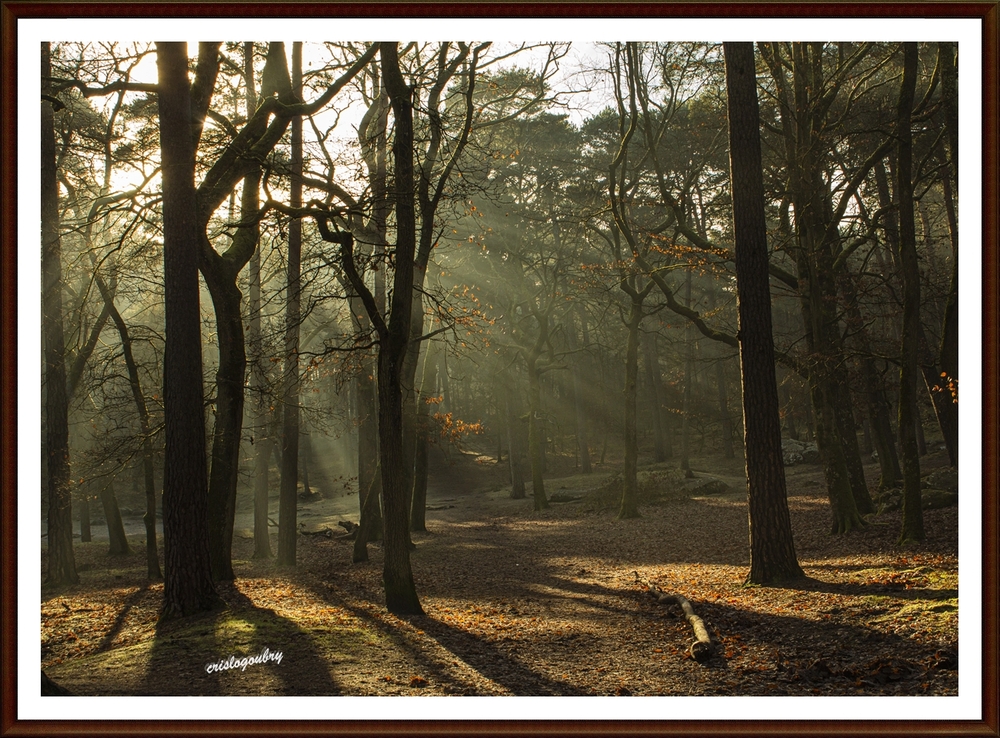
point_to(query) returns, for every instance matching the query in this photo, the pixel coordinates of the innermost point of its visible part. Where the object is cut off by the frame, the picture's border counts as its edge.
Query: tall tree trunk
(913, 521)
(815, 241)
(772, 550)
(61, 564)
(188, 586)
(288, 502)
(397, 576)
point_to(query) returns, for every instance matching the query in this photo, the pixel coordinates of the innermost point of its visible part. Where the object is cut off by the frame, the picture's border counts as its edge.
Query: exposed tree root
(702, 648)
(846, 524)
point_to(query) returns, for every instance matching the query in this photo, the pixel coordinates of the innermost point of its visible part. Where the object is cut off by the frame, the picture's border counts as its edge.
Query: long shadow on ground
(183, 649)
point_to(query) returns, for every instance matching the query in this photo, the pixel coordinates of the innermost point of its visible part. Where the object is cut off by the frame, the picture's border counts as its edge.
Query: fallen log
(702, 648)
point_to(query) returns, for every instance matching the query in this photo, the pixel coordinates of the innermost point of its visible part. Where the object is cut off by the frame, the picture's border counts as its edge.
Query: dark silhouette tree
(400, 590)
(772, 550)
(61, 562)
(913, 520)
(188, 586)
(393, 333)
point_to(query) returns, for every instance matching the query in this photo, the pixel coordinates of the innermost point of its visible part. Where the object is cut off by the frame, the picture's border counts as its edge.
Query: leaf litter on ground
(519, 602)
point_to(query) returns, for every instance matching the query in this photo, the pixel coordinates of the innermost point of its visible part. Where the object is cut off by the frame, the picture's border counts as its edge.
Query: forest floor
(520, 602)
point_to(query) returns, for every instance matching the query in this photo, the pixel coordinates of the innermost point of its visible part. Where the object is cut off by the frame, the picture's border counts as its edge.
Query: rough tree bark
(803, 117)
(913, 520)
(61, 564)
(772, 550)
(400, 590)
(188, 586)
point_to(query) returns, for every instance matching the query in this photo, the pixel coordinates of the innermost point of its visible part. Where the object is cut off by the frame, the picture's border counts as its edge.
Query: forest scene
(469, 368)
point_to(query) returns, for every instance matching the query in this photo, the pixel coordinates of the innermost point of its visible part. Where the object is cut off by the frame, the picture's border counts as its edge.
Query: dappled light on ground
(538, 603)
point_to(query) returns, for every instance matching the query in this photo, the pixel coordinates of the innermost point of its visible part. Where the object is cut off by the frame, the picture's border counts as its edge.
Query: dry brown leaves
(519, 602)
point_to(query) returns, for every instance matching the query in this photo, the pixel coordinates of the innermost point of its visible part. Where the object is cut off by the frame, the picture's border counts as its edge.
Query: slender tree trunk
(515, 441)
(844, 410)
(944, 391)
(815, 240)
(288, 502)
(263, 443)
(117, 541)
(913, 521)
(369, 470)
(535, 451)
(305, 460)
(84, 508)
(629, 507)
(946, 412)
(226, 299)
(725, 417)
(139, 397)
(370, 527)
(579, 405)
(874, 392)
(772, 550)
(397, 576)
(655, 399)
(918, 429)
(688, 379)
(785, 400)
(418, 517)
(61, 563)
(188, 586)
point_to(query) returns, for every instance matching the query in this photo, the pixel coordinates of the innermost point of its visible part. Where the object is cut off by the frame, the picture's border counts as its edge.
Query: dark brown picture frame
(986, 13)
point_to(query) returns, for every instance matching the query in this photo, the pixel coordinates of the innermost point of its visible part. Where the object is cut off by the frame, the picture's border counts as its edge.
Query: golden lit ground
(526, 603)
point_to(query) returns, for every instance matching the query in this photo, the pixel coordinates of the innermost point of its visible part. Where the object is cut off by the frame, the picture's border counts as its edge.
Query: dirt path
(538, 603)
